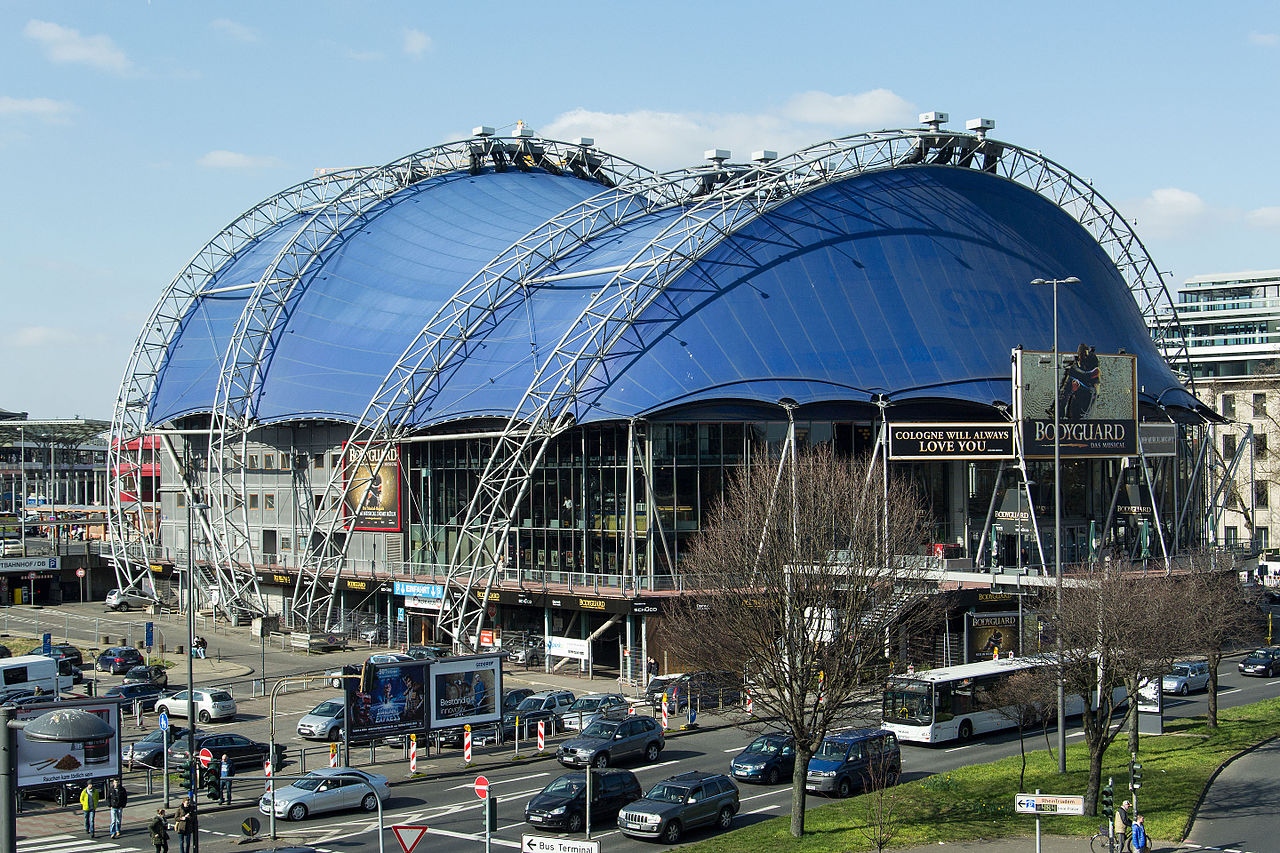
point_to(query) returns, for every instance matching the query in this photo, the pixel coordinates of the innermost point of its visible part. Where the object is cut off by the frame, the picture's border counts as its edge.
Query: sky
(132, 132)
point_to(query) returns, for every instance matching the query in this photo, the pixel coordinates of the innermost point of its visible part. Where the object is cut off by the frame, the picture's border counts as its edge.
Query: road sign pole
(165, 749)
(1037, 827)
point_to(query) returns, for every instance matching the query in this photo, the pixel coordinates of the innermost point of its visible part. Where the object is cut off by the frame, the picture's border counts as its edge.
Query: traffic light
(491, 814)
(1135, 775)
(1109, 801)
(185, 775)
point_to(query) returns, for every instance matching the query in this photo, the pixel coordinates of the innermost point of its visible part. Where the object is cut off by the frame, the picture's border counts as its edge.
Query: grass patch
(977, 802)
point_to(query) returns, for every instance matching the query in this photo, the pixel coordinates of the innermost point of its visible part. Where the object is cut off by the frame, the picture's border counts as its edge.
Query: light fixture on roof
(482, 130)
(717, 155)
(764, 156)
(585, 141)
(980, 126)
(934, 119)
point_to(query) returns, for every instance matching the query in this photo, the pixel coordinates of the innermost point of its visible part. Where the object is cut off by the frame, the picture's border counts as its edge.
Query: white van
(32, 671)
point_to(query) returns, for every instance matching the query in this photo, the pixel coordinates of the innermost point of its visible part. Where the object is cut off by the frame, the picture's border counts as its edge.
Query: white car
(13, 548)
(124, 599)
(326, 790)
(1186, 677)
(210, 705)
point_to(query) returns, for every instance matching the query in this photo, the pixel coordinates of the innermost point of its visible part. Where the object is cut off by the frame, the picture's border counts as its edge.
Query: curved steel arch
(461, 323)
(129, 540)
(253, 342)
(574, 365)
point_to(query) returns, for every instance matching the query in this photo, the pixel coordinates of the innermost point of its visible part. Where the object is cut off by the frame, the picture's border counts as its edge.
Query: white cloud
(665, 140)
(63, 44)
(234, 30)
(42, 108)
(1264, 39)
(878, 108)
(365, 55)
(416, 42)
(1264, 217)
(35, 337)
(1169, 212)
(235, 160)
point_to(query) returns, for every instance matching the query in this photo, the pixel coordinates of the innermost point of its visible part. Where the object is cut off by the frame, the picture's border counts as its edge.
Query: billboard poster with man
(466, 691)
(1097, 403)
(373, 489)
(387, 699)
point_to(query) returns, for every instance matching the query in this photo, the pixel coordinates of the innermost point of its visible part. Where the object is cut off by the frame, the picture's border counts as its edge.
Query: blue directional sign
(163, 721)
(151, 626)
(46, 644)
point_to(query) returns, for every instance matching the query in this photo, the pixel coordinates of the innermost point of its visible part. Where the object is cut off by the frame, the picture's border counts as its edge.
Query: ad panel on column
(466, 691)
(1097, 403)
(388, 699)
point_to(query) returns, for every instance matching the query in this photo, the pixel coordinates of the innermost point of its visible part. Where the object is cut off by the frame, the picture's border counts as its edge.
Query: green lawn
(977, 802)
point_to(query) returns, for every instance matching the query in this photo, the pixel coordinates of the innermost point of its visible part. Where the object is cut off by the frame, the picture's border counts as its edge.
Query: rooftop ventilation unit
(717, 155)
(585, 141)
(934, 118)
(980, 126)
(764, 156)
(482, 130)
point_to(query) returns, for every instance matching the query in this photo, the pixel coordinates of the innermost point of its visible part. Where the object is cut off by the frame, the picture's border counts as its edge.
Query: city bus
(956, 702)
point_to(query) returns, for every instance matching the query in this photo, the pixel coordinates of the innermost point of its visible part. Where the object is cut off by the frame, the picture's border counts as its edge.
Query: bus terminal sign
(930, 442)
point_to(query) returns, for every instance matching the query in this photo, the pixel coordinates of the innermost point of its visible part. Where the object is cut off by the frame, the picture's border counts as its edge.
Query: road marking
(468, 836)
(1076, 734)
(958, 748)
(519, 778)
(766, 794)
(663, 764)
(1271, 683)
(762, 809)
(1228, 692)
(736, 749)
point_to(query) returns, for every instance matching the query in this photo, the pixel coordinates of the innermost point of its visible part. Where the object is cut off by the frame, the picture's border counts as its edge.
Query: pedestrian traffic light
(1135, 775)
(1109, 801)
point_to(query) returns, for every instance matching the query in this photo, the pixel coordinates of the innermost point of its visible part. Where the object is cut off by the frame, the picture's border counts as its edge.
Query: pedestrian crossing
(81, 843)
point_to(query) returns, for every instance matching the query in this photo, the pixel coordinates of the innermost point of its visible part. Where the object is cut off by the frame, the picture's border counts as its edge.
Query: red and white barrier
(413, 753)
(466, 745)
(751, 705)
(542, 735)
(333, 755)
(665, 718)
(266, 771)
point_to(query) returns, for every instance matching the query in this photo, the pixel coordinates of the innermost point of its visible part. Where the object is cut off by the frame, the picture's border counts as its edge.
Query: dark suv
(856, 760)
(563, 804)
(767, 759)
(607, 741)
(680, 803)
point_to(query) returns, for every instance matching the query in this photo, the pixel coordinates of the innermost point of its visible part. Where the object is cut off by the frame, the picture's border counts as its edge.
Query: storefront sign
(930, 442)
(1158, 439)
(362, 585)
(423, 603)
(563, 647)
(277, 578)
(1097, 403)
(419, 590)
(31, 564)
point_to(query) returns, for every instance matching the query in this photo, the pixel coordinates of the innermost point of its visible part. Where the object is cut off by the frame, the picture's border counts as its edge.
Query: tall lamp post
(1057, 518)
(191, 636)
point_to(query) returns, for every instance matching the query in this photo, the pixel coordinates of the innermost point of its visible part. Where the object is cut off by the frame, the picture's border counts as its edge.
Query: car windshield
(220, 696)
(1181, 669)
(328, 709)
(309, 783)
(568, 786)
(667, 793)
(585, 704)
(764, 746)
(600, 729)
(832, 749)
(530, 704)
(157, 736)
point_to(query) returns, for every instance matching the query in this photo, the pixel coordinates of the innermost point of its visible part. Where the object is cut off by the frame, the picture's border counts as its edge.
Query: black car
(766, 759)
(5, 652)
(680, 803)
(149, 751)
(68, 652)
(244, 754)
(118, 660)
(130, 693)
(427, 652)
(511, 699)
(153, 674)
(1264, 662)
(562, 805)
(704, 690)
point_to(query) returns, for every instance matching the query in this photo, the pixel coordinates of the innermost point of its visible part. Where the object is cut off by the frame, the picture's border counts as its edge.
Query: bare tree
(1219, 615)
(879, 804)
(799, 580)
(1026, 699)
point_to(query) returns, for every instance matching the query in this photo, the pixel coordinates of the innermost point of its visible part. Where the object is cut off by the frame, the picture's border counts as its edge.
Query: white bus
(956, 702)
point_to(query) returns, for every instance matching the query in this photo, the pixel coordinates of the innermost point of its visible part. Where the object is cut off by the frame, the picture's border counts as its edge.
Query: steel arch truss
(606, 330)
(133, 443)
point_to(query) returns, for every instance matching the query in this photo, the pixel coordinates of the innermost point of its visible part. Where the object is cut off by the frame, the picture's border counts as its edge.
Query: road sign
(46, 644)
(163, 721)
(400, 614)
(409, 835)
(31, 576)
(151, 634)
(79, 573)
(543, 844)
(482, 787)
(205, 757)
(250, 827)
(1048, 804)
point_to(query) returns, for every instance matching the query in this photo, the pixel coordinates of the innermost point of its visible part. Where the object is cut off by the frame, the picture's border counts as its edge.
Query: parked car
(585, 709)
(606, 742)
(511, 699)
(531, 653)
(1186, 677)
(766, 759)
(149, 751)
(324, 721)
(326, 790)
(128, 599)
(705, 690)
(548, 706)
(680, 803)
(427, 652)
(374, 634)
(562, 805)
(209, 705)
(1264, 662)
(12, 548)
(243, 753)
(855, 760)
(118, 660)
(153, 674)
(67, 652)
(148, 694)
(658, 685)
(5, 652)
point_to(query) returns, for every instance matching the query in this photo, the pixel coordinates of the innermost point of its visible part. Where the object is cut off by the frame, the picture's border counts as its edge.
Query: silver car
(126, 599)
(1186, 677)
(324, 721)
(327, 790)
(586, 709)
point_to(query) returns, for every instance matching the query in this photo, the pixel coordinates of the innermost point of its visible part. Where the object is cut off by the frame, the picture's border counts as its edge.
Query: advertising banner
(387, 699)
(930, 442)
(1097, 403)
(373, 496)
(1159, 439)
(991, 634)
(466, 691)
(40, 763)
(563, 647)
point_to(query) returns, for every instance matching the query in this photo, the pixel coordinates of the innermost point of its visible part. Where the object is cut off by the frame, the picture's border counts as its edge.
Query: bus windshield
(908, 702)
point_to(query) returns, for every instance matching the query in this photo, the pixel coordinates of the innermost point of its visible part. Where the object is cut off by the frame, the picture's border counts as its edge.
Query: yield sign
(409, 836)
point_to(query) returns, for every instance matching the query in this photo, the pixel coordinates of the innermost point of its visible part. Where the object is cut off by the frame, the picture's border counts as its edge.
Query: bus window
(908, 702)
(962, 697)
(984, 688)
(942, 704)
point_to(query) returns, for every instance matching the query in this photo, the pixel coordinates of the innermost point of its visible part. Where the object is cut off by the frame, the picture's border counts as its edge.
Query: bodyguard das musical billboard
(1097, 403)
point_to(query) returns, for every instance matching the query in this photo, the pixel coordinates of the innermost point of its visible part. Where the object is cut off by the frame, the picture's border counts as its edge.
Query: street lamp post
(191, 635)
(1057, 517)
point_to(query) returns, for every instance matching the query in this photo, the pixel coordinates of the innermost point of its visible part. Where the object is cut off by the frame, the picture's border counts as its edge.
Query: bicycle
(1100, 841)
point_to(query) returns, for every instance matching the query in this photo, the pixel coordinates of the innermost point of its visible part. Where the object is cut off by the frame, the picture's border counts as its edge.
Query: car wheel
(1184, 690)
(123, 607)
(671, 834)
(771, 777)
(369, 803)
(298, 812)
(965, 731)
(726, 818)
(333, 734)
(844, 788)
(601, 760)
(651, 754)
(335, 683)
(204, 716)
(576, 822)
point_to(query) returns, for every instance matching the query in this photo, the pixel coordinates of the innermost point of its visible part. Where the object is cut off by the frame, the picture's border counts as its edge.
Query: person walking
(225, 772)
(117, 799)
(159, 832)
(1139, 835)
(1120, 827)
(89, 805)
(187, 824)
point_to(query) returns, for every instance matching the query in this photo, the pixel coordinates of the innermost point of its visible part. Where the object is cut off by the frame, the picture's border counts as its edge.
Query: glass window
(1228, 447)
(1262, 537)
(182, 499)
(335, 459)
(269, 501)
(286, 544)
(1260, 405)
(253, 501)
(253, 461)
(1260, 446)
(269, 460)
(1260, 494)
(318, 459)
(1228, 405)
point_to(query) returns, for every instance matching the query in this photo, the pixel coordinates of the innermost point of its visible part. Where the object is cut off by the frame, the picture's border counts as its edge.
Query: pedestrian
(186, 824)
(137, 715)
(159, 832)
(651, 666)
(1139, 835)
(225, 772)
(117, 799)
(1120, 826)
(89, 805)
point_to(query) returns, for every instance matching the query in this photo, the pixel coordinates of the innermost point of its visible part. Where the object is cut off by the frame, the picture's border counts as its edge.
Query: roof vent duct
(934, 119)
(482, 130)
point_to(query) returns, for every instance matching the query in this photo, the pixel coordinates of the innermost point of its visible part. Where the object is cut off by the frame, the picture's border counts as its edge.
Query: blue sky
(131, 132)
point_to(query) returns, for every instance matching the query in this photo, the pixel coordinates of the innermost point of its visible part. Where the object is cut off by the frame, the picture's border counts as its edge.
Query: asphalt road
(1240, 811)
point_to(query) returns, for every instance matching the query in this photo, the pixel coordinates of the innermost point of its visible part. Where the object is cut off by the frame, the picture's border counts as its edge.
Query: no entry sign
(482, 787)
(205, 757)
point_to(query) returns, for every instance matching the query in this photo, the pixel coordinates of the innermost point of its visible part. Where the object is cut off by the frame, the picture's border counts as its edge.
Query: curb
(1204, 792)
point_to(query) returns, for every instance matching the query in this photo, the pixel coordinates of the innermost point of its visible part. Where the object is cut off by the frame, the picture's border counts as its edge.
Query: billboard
(372, 496)
(41, 763)
(1097, 403)
(929, 442)
(992, 634)
(466, 691)
(388, 699)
